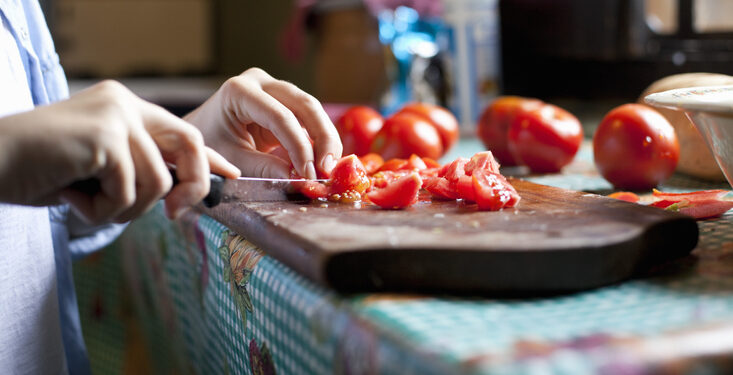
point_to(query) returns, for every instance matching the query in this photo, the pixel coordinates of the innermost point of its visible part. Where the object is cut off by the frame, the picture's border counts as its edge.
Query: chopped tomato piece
(662, 204)
(693, 196)
(313, 189)
(415, 163)
(464, 189)
(625, 196)
(348, 180)
(455, 170)
(703, 209)
(493, 192)
(399, 194)
(430, 163)
(372, 162)
(440, 188)
(382, 179)
(483, 160)
(393, 165)
(428, 172)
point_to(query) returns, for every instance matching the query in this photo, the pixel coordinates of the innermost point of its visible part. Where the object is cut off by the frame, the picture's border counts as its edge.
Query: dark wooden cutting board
(556, 240)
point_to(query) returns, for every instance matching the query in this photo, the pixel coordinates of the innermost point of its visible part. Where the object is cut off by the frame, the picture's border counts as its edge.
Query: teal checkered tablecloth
(220, 305)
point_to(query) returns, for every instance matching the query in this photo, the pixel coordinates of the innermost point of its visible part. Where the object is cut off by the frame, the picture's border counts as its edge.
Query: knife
(242, 189)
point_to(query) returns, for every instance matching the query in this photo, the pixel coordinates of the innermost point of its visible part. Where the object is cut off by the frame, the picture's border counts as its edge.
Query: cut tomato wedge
(440, 188)
(484, 161)
(492, 191)
(625, 196)
(464, 189)
(693, 196)
(372, 162)
(399, 194)
(393, 165)
(455, 170)
(415, 163)
(430, 163)
(313, 189)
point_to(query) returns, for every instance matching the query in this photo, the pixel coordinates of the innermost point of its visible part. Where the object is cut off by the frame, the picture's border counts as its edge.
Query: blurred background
(457, 53)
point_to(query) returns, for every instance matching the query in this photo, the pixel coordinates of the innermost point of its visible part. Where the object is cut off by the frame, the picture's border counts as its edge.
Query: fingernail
(310, 170)
(328, 163)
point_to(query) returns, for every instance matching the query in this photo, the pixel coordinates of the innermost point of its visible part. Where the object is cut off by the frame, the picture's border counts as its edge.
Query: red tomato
(406, 133)
(692, 196)
(493, 192)
(313, 189)
(399, 194)
(464, 189)
(635, 147)
(482, 160)
(348, 180)
(415, 163)
(545, 138)
(357, 128)
(443, 120)
(455, 169)
(372, 162)
(493, 125)
(393, 165)
(440, 188)
(430, 163)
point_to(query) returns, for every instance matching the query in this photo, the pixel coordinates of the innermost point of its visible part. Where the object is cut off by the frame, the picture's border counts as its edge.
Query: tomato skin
(635, 147)
(440, 188)
(494, 122)
(372, 162)
(493, 192)
(398, 194)
(348, 178)
(404, 134)
(357, 128)
(545, 138)
(443, 120)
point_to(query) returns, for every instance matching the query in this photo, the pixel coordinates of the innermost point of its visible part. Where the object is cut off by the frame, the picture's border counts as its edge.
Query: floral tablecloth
(201, 299)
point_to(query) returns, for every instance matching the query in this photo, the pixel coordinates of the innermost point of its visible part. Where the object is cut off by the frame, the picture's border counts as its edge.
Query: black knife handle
(92, 186)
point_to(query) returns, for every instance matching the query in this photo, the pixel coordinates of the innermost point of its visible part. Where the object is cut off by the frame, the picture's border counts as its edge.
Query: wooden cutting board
(556, 240)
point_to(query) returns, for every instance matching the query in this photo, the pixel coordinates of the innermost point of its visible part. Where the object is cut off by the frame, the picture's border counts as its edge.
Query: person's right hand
(109, 134)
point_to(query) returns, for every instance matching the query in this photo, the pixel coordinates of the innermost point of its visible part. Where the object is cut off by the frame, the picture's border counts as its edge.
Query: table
(205, 300)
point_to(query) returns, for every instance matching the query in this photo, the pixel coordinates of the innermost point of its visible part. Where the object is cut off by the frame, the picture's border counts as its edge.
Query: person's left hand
(252, 114)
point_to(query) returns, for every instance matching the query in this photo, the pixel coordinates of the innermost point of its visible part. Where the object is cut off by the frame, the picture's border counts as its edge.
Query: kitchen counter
(209, 301)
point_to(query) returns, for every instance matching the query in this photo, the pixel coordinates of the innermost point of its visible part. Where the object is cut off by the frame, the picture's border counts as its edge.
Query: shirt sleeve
(84, 239)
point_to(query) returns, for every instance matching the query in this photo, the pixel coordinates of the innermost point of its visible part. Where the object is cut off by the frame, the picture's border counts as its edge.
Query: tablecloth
(204, 300)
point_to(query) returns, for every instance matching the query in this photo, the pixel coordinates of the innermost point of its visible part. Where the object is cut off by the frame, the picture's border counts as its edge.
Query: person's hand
(108, 134)
(252, 114)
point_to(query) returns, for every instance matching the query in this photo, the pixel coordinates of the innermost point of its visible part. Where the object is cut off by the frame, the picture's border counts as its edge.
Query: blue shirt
(71, 237)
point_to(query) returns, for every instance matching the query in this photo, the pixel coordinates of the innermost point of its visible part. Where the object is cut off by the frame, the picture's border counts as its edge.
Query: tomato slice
(625, 196)
(399, 194)
(348, 180)
(440, 188)
(693, 196)
(313, 189)
(492, 191)
(393, 165)
(464, 189)
(415, 163)
(372, 162)
(430, 163)
(455, 169)
(704, 209)
(482, 160)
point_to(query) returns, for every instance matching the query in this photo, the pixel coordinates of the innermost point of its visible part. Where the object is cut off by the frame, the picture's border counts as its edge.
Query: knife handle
(92, 186)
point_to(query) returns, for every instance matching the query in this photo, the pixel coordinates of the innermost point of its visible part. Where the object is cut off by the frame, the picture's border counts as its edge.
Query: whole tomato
(545, 138)
(443, 120)
(404, 134)
(635, 147)
(493, 125)
(357, 128)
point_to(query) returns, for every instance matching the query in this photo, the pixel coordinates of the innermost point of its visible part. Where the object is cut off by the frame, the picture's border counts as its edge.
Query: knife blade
(242, 189)
(254, 189)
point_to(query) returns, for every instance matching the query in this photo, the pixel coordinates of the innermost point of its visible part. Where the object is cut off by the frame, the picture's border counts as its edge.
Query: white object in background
(472, 45)
(711, 111)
